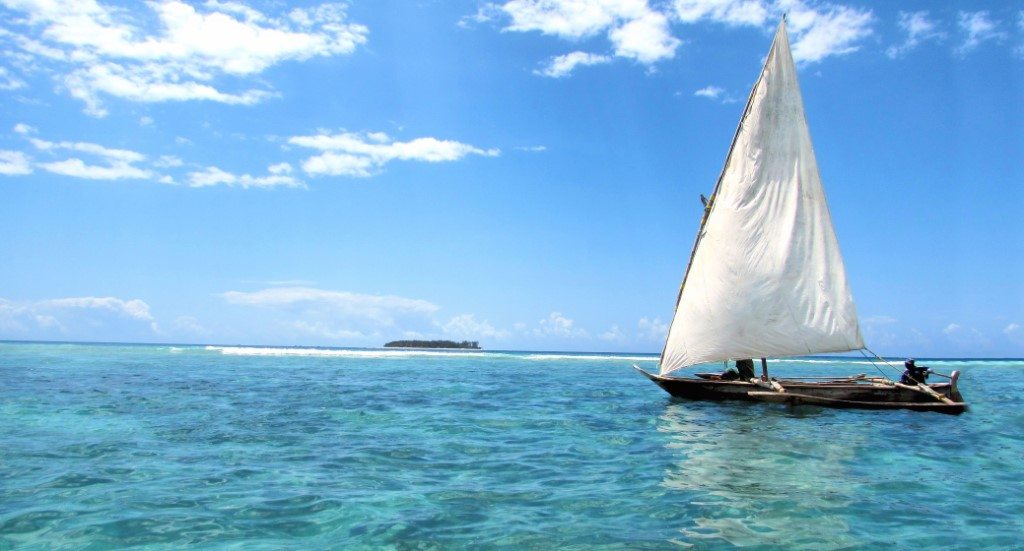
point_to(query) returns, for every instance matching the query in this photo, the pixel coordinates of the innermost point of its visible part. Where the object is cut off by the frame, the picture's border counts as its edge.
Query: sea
(113, 446)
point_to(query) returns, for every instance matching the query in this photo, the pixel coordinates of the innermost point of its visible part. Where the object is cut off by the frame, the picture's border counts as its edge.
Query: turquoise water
(158, 447)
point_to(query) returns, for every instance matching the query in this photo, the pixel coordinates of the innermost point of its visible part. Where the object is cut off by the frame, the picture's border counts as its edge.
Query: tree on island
(471, 345)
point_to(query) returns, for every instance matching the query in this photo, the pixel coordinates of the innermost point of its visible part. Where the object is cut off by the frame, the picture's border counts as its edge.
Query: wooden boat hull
(841, 394)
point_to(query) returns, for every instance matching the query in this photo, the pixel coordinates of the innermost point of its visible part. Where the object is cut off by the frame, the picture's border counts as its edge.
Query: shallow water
(157, 447)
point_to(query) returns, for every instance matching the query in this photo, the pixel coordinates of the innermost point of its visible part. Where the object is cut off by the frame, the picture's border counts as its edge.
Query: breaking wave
(590, 357)
(405, 353)
(333, 352)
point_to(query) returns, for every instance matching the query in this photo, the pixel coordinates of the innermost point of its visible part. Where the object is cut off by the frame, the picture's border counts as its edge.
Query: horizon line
(465, 351)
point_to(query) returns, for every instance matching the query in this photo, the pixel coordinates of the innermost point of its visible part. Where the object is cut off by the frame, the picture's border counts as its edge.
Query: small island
(471, 345)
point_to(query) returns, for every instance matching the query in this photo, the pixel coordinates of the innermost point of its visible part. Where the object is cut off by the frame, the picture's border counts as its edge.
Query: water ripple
(154, 448)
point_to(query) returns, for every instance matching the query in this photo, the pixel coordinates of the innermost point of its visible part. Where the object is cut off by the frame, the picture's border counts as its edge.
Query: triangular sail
(766, 278)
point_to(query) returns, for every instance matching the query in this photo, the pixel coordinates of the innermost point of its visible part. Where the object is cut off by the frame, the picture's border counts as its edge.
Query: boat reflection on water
(755, 478)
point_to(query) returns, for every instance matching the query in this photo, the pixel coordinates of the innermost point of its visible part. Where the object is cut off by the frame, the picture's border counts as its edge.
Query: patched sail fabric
(766, 277)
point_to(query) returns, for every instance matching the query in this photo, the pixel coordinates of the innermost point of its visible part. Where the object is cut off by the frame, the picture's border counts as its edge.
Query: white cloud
(1014, 334)
(642, 32)
(979, 28)
(132, 308)
(646, 39)
(879, 320)
(732, 12)
(919, 28)
(485, 13)
(173, 51)
(116, 163)
(715, 93)
(634, 29)
(381, 309)
(24, 129)
(280, 168)
(614, 334)
(533, 148)
(146, 86)
(189, 325)
(557, 325)
(825, 31)
(145, 121)
(967, 339)
(14, 163)
(74, 316)
(466, 326)
(563, 65)
(77, 168)
(9, 81)
(168, 161)
(322, 329)
(212, 176)
(818, 30)
(362, 155)
(652, 329)
(1020, 25)
(123, 155)
(570, 18)
(712, 92)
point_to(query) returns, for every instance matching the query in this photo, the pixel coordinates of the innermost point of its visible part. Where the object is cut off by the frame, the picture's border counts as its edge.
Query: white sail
(766, 278)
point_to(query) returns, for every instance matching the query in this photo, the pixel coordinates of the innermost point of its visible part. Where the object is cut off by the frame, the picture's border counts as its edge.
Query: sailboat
(766, 278)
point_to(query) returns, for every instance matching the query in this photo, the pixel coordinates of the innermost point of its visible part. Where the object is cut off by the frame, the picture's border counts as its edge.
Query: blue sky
(523, 173)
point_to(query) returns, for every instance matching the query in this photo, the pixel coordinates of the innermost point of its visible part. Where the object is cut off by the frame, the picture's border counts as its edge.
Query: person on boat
(744, 371)
(914, 373)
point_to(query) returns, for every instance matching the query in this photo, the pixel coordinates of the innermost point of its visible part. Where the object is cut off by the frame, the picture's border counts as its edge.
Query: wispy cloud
(116, 170)
(382, 309)
(752, 13)
(819, 30)
(309, 313)
(966, 338)
(634, 30)
(14, 163)
(213, 176)
(1020, 26)
(466, 326)
(614, 335)
(365, 154)
(557, 325)
(1014, 333)
(826, 30)
(172, 50)
(919, 28)
(563, 65)
(168, 161)
(72, 316)
(114, 164)
(134, 308)
(642, 31)
(343, 154)
(8, 81)
(715, 93)
(978, 27)
(652, 329)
